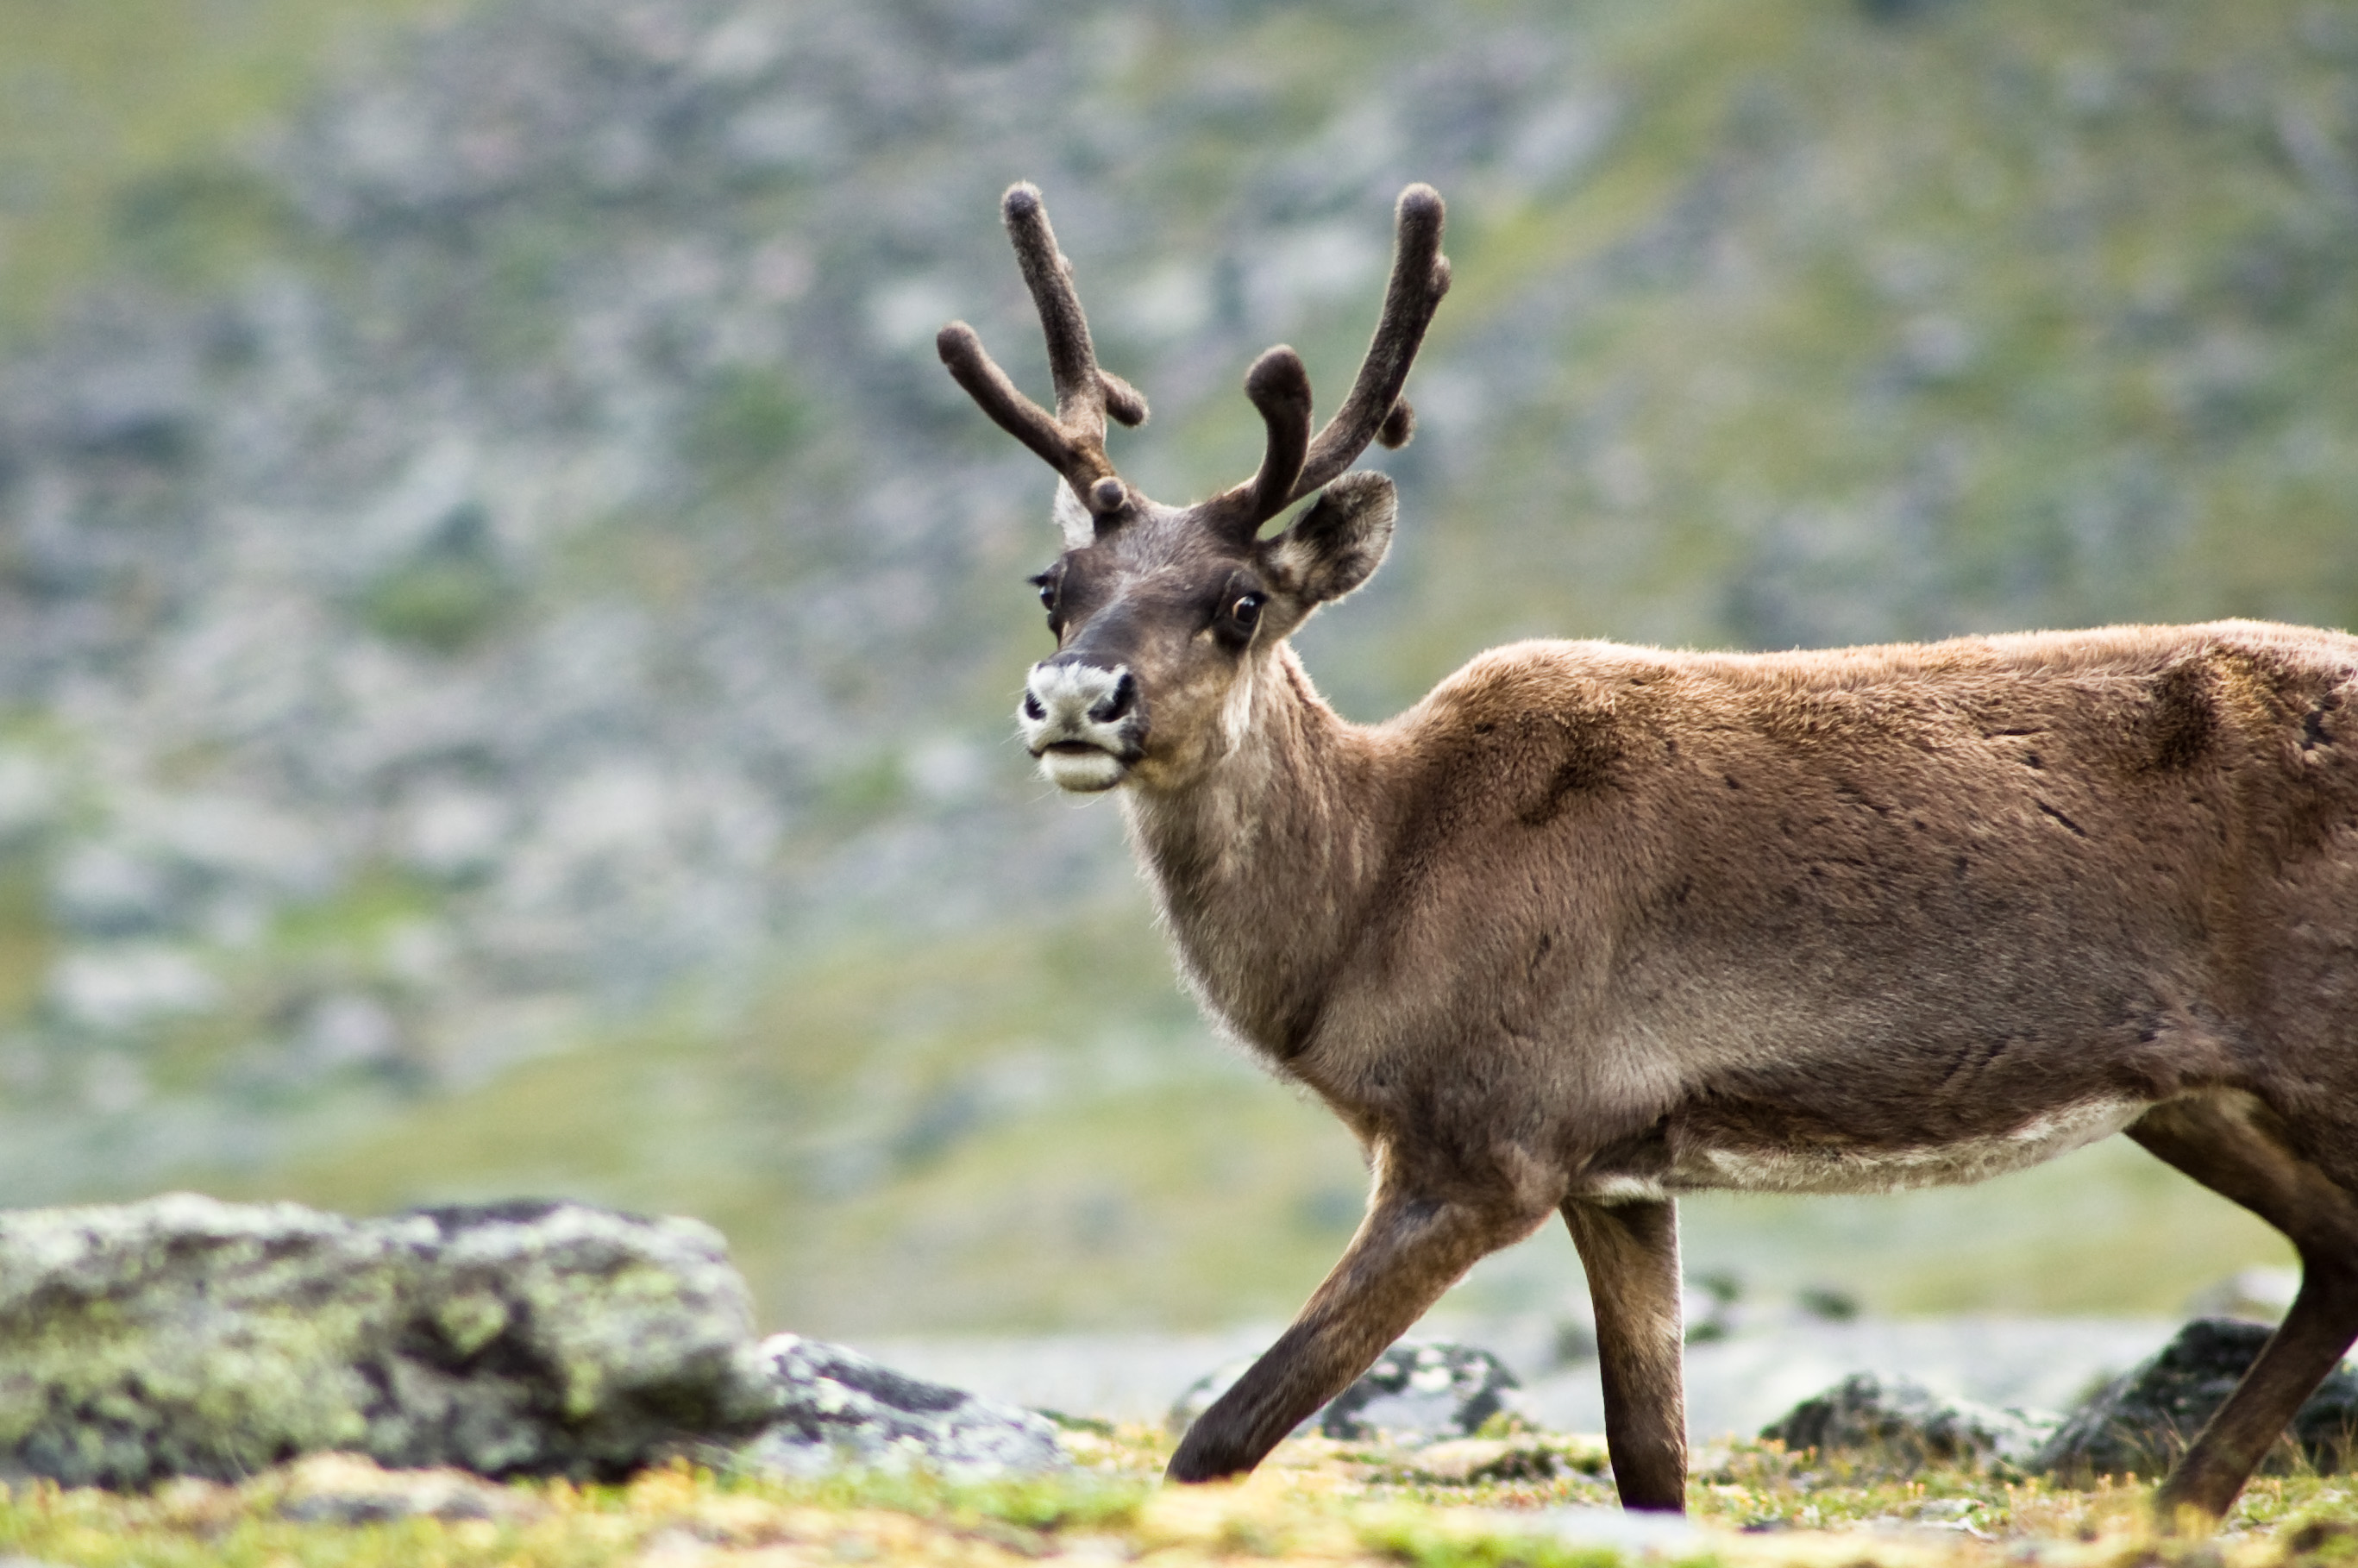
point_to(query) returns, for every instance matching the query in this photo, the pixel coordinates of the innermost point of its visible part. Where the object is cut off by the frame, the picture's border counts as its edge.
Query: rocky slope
(499, 558)
(555, 571)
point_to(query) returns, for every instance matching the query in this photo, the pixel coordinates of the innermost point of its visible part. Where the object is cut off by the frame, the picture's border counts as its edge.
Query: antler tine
(1072, 440)
(1375, 409)
(971, 367)
(1080, 398)
(1280, 388)
(1085, 394)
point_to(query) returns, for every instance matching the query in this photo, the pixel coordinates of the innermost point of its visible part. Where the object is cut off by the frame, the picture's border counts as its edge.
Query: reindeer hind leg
(1630, 1252)
(2238, 1148)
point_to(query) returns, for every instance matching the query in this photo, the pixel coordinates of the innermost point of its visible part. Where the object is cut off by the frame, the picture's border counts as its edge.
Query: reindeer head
(1166, 616)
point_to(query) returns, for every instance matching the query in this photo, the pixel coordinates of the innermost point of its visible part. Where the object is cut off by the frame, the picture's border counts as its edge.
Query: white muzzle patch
(1081, 722)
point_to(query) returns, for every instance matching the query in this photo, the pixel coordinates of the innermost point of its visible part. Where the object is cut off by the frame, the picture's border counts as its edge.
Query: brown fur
(1593, 926)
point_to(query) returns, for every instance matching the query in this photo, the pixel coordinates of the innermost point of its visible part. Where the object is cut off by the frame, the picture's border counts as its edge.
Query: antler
(1293, 465)
(1072, 439)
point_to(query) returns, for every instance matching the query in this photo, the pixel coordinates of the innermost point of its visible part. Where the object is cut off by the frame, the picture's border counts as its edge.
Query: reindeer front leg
(1410, 1248)
(1631, 1253)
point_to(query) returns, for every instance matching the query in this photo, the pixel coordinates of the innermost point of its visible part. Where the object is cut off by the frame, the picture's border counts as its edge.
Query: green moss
(451, 594)
(745, 425)
(357, 915)
(231, 1400)
(197, 227)
(444, 603)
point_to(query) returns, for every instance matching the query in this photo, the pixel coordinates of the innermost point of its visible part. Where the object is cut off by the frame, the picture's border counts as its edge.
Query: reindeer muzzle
(1085, 723)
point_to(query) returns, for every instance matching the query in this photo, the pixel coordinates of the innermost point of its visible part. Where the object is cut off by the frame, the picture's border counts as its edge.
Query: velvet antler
(1072, 440)
(1293, 465)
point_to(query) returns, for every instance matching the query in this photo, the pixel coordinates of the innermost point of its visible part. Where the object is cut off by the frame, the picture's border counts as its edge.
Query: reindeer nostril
(1123, 698)
(1032, 709)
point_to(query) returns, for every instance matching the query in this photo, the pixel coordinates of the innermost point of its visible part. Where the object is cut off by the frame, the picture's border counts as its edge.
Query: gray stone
(838, 1410)
(183, 1335)
(186, 1337)
(1902, 1425)
(1416, 1392)
(1422, 1392)
(2144, 1420)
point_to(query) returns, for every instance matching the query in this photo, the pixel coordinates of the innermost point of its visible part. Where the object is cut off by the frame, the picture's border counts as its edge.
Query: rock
(349, 1488)
(1530, 1456)
(1422, 1392)
(2262, 1296)
(1827, 1303)
(188, 1337)
(1414, 1392)
(1708, 1306)
(185, 1336)
(1904, 1426)
(840, 1410)
(2144, 1420)
(113, 988)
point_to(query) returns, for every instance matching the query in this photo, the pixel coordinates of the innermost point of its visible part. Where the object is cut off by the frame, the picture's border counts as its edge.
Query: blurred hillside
(508, 630)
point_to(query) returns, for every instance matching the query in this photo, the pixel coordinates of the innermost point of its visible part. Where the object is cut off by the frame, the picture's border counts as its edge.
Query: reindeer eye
(1247, 609)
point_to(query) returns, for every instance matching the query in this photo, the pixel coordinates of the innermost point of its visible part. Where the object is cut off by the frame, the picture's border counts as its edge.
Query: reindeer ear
(1073, 519)
(1338, 543)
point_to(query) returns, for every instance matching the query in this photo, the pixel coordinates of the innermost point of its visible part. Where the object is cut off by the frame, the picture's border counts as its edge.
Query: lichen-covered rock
(1902, 1425)
(185, 1336)
(1415, 1393)
(838, 1409)
(2144, 1420)
(1421, 1393)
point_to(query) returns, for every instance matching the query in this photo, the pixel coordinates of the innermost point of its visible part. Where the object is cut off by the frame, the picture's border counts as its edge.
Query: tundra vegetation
(1316, 1502)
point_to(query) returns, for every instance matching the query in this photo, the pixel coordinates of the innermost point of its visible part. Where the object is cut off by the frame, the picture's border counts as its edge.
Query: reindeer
(1591, 927)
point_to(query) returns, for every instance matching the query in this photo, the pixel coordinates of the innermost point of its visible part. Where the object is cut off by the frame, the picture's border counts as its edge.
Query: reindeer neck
(1263, 863)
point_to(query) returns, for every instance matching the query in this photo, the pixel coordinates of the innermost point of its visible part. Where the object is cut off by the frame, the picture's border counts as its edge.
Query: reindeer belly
(1719, 1157)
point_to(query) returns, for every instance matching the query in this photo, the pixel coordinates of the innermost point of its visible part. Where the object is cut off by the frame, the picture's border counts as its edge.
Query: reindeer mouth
(1080, 767)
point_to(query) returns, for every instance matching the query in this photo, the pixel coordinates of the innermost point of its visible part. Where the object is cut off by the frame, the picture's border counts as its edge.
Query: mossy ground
(1314, 1501)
